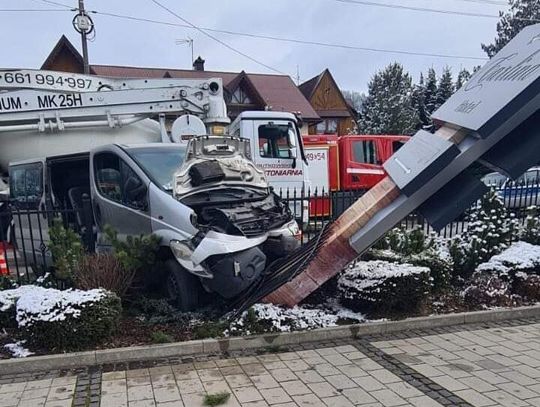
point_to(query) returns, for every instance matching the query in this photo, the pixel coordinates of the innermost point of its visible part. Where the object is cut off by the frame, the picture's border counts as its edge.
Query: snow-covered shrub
(440, 269)
(54, 319)
(265, 318)
(527, 286)
(440, 266)
(519, 257)
(531, 229)
(487, 290)
(489, 232)
(379, 286)
(405, 241)
(8, 301)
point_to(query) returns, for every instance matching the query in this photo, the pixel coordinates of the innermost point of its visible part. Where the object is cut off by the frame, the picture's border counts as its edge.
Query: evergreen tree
(462, 78)
(431, 91)
(388, 107)
(521, 14)
(489, 231)
(355, 99)
(419, 103)
(445, 88)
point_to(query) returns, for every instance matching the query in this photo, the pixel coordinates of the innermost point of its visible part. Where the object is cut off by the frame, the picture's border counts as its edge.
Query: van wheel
(182, 287)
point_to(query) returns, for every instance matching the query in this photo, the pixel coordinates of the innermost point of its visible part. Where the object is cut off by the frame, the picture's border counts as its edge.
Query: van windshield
(160, 163)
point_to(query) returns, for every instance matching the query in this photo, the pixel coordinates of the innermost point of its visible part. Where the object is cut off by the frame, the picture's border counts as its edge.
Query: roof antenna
(297, 75)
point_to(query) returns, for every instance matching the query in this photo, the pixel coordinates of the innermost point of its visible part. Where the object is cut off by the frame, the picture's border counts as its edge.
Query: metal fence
(24, 239)
(326, 206)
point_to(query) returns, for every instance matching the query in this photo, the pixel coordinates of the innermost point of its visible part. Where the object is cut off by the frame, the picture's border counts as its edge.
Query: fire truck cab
(346, 164)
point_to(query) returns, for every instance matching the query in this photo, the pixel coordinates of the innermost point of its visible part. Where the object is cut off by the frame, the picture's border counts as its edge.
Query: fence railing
(25, 241)
(24, 232)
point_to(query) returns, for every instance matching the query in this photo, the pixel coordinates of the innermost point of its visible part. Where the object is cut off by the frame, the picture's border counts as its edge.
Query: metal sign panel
(500, 89)
(422, 157)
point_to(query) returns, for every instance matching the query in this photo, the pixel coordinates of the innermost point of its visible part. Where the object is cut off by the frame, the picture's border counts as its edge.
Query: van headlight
(181, 249)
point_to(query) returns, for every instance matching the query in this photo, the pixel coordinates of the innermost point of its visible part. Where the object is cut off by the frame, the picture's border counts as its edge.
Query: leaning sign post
(489, 120)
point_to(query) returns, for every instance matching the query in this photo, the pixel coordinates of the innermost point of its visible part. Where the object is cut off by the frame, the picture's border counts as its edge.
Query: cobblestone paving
(483, 365)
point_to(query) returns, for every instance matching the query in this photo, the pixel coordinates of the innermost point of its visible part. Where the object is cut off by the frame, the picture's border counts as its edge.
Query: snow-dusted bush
(406, 241)
(489, 232)
(531, 229)
(519, 257)
(379, 286)
(527, 286)
(440, 269)
(488, 290)
(265, 318)
(55, 319)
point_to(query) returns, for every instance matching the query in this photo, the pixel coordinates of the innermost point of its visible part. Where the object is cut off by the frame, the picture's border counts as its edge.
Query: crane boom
(30, 101)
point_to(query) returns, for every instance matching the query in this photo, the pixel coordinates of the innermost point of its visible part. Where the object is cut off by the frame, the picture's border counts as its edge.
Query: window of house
(274, 141)
(364, 152)
(116, 181)
(26, 183)
(240, 97)
(327, 126)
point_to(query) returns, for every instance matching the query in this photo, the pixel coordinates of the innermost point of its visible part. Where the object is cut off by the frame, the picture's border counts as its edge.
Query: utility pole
(84, 25)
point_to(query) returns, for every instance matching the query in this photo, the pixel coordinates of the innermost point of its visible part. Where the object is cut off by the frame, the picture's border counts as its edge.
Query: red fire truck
(346, 165)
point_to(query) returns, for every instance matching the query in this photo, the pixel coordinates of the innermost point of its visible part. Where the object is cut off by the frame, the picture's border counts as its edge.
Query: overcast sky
(27, 38)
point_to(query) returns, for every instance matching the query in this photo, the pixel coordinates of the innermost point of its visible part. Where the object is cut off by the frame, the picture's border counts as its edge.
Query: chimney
(198, 65)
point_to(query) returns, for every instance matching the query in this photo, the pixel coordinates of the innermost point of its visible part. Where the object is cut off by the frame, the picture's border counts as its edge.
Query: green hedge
(61, 320)
(380, 287)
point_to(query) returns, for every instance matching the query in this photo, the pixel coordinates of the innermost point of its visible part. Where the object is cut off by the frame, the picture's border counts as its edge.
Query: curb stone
(195, 347)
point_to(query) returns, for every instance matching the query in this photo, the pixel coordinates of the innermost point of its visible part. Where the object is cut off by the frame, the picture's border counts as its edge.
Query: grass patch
(216, 399)
(161, 337)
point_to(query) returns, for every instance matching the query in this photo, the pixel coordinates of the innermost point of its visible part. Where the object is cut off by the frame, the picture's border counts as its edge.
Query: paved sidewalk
(487, 365)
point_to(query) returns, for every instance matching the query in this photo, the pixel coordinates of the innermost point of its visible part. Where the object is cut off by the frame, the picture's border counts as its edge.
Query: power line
(29, 10)
(55, 3)
(282, 39)
(290, 40)
(202, 31)
(427, 10)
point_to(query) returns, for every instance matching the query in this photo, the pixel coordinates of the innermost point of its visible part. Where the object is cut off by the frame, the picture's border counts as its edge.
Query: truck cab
(276, 147)
(218, 221)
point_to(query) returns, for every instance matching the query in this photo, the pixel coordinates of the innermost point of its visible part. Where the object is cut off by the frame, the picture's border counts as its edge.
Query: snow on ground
(35, 303)
(366, 274)
(519, 256)
(18, 350)
(297, 318)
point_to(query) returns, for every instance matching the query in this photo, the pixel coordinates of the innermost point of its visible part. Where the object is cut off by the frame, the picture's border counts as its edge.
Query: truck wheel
(182, 287)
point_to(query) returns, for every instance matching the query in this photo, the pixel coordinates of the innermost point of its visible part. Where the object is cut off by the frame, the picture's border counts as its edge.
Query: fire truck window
(364, 152)
(396, 145)
(274, 141)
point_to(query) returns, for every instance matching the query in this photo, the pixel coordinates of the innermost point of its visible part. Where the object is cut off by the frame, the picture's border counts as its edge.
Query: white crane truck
(65, 135)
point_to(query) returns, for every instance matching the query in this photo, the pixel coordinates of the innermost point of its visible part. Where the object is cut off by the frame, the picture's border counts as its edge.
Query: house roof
(62, 44)
(277, 91)
(309, 87)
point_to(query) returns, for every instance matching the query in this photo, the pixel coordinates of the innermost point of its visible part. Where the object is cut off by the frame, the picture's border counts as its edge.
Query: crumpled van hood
(225, 161)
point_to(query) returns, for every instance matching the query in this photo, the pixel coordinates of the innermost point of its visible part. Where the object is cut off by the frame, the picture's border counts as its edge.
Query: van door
(30, 220)
(119, 196)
